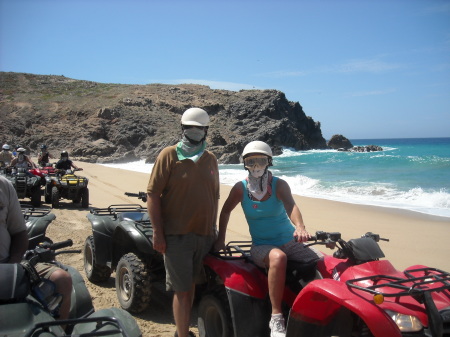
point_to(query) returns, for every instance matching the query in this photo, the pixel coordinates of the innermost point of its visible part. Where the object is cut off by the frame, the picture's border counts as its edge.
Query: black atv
(29, 305)
(26, 185)
(66, 185)
(122, 240)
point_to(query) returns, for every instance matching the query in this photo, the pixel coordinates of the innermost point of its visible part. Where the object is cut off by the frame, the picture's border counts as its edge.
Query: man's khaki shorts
(184, 260)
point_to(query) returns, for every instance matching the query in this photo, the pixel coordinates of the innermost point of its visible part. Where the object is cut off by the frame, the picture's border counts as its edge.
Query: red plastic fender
(320, 300)
(239, 275)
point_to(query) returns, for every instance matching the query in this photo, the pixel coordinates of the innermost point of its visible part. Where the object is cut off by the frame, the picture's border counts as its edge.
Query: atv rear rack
(235, 250)
(115, 210)
(409, 286)
(33, 212)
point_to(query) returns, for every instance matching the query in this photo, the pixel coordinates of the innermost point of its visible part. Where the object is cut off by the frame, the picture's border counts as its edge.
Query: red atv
(351, 293)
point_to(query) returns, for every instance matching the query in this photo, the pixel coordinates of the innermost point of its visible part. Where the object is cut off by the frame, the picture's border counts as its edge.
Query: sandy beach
(414, 238)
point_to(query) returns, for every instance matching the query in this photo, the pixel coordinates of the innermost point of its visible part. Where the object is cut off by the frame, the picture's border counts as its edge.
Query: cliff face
(100, 122)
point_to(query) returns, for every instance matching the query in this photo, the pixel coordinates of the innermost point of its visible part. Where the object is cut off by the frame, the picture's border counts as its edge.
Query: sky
(363, 69)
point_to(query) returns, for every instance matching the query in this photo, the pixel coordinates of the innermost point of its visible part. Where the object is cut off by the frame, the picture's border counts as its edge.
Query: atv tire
(94, 272)
(36, 197)
(55, 197)
(133, 283)
(214, 317)
(85, 198)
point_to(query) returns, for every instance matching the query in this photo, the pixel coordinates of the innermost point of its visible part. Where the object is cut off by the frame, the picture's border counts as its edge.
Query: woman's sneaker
(277, 326)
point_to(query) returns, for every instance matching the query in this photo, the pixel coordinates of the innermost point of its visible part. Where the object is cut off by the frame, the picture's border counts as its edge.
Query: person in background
(6, 156)
(182, 202)
(44, 156)
(23, 161)
(14, 243)
(64, 163)
(275, 223)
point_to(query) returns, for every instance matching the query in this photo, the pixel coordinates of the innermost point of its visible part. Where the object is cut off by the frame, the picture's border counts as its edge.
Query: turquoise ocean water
(411, 174)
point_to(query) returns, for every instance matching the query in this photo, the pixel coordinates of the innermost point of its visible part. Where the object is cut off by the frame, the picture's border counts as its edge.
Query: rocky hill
(99, 122)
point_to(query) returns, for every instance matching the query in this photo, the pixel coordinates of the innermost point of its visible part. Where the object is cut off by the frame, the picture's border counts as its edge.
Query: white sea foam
(377, 194)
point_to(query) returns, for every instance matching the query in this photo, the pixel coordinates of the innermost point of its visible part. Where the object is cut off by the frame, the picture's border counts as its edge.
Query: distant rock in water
(367, 148)
(339, 142)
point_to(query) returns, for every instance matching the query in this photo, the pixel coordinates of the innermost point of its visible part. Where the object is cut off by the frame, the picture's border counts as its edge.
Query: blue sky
(364, 69)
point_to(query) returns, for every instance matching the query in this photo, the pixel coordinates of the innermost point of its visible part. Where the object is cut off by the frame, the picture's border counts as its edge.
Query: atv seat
(133, 216)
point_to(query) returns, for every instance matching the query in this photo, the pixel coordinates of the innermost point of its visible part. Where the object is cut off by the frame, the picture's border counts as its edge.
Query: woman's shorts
(184, 260)
(294, 251)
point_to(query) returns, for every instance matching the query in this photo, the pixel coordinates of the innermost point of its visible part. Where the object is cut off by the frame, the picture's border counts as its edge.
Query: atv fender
(128, 238)
(81, 301)
(321, 300)
(239, 275)
(103, 228)
(130, 327)
(247, 292)
(37, 228)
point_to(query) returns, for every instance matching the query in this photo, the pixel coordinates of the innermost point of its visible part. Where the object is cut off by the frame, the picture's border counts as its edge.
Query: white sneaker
(277, 326)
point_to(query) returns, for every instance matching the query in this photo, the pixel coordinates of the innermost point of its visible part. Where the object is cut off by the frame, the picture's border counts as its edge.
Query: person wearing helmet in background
(44, 156)
(64, 163)
(275, 224)
(182, 202)
(6, 156)
(23, 161)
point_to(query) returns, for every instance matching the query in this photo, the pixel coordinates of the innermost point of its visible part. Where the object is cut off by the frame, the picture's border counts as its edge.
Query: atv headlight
(406, 323)
(63, 182)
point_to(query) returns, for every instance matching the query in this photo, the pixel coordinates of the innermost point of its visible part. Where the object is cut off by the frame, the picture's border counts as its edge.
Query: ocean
(412, 174)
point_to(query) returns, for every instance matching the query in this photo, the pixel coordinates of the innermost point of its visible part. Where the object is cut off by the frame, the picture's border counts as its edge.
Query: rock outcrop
(100, 122)
(339, 142)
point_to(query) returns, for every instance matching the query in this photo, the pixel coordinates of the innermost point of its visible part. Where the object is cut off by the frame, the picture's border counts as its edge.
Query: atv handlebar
(46, 252)
(141, 195)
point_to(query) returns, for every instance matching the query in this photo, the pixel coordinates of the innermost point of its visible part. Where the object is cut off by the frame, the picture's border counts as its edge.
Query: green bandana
(185, 150)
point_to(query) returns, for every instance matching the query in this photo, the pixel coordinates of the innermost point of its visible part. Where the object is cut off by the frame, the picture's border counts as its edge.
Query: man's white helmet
(5, 147)
(21, 150)
(195, 116)
(257, 146)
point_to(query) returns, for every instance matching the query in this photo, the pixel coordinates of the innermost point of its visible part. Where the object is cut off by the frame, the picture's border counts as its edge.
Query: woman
(275, 223)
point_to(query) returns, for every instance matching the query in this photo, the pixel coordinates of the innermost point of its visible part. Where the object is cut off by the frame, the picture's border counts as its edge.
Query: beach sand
(414, 238)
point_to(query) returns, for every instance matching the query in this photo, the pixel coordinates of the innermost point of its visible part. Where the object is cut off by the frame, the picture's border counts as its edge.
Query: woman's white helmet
(257, 146)
(195, 116)
(6, 147)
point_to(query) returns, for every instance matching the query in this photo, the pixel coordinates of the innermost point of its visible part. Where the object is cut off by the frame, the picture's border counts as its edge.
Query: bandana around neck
(258, 187)
(187, 150)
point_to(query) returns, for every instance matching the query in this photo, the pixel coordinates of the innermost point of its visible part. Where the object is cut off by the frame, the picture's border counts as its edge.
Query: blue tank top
(267, 220)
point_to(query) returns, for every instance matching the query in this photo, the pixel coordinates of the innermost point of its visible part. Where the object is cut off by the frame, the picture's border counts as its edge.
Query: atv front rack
(104, 326)
(410, 286)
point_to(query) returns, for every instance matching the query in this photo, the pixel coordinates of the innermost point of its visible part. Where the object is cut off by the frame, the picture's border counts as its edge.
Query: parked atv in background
(352, 293)
(25, 184)
(37, 221)
(29, 305)
(121, 240)
(43, 172)
(66, 185)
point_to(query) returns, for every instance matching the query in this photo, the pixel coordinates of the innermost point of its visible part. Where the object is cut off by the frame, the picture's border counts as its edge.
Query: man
(182, 201)
(44, 156)
(64, 163)
(6, 156)
(14, 243)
